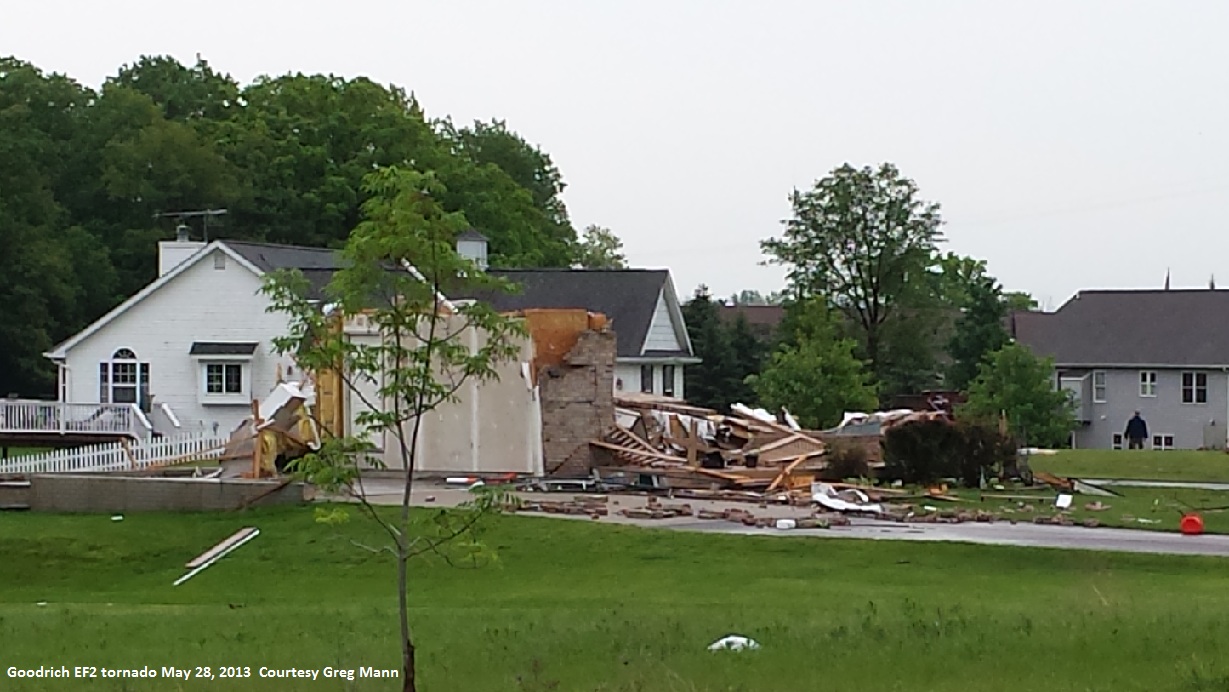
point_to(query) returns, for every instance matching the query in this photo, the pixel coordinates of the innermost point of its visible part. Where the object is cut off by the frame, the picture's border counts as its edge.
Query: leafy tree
(40, 256)
(1019, 301)
(182, 93)
(955, 277)
(1015, 383)
(862, 240)
(305, 144)
(541, 235)
(712, 382)
(979, 332)
(600, 248)
(527, 165)
(816, 374)
(419, 363)
(84, 172)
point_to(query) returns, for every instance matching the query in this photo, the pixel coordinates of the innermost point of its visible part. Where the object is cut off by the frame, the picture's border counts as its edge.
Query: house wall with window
(1184, 408)
(664, 379)
(201, 344)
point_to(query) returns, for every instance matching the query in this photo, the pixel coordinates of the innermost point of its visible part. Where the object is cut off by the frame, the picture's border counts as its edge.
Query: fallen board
(221, 548)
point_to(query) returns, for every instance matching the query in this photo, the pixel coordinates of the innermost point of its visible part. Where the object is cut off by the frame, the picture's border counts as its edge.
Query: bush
(924, 452)
(846, 459)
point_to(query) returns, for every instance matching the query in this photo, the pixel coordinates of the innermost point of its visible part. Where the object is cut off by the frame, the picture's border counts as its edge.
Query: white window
(1162, 442)
(123, 379)
(224, 382)
(667, 380)
(1098, 386)
(1147, 383)
(223, 378)
(1116, 441)
(646, 379)
(1194, 387)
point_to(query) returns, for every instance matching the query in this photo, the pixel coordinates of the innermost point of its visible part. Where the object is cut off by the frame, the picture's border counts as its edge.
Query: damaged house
(190, 353)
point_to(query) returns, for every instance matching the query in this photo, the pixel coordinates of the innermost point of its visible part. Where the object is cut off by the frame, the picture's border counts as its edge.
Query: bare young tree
(397, 265)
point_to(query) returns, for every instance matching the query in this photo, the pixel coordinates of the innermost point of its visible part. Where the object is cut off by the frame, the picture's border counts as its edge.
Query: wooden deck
(26, 422)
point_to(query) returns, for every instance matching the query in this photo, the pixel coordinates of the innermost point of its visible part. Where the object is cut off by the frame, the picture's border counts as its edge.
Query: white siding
(662, 335)
(201, 304)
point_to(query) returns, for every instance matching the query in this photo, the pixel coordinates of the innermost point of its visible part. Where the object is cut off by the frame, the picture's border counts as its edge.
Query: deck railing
(125, 455)
(33, 417)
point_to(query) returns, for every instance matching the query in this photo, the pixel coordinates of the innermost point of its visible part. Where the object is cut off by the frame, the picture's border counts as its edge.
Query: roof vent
(183, 233)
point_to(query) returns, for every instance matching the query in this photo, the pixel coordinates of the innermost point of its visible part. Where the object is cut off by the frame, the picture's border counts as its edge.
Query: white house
(194, 347)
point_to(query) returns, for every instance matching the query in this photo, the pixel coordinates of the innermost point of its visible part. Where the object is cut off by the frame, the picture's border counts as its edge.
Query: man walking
(1137, 432)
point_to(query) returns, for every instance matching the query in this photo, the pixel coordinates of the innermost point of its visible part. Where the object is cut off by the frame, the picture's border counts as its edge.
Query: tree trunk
(407, 644)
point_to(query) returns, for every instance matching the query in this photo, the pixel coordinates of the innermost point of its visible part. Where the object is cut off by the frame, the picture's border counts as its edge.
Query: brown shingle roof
(756, 315)
(1153, 327)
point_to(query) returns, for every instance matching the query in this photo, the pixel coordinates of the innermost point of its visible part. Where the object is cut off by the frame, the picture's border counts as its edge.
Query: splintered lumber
(630, 439)
(1053, 481)
(786, 471)
(732, 477)
(640, 453)
(693, 443)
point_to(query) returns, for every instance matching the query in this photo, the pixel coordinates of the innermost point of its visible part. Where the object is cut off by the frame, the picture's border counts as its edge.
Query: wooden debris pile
(661, 443)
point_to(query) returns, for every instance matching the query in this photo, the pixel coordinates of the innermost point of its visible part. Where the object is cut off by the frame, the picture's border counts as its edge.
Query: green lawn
(1157, 509)
(575, 605)
(1177, 465)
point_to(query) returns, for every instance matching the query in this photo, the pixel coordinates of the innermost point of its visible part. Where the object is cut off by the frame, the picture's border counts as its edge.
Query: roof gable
(61, 349)
(628, 297)
(1132, 328)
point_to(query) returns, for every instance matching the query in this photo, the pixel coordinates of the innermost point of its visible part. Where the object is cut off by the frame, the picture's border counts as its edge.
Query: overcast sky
(1072, 144)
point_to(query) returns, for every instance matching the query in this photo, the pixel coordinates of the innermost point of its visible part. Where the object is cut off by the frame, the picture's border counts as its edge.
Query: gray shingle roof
(628, 298)
(269, 257)
(222, 348)
(316, 264)
(1153, 327)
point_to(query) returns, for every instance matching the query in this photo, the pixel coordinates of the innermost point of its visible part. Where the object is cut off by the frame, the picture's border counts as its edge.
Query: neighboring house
(653, 346)
(762, 319)
(1164, 353)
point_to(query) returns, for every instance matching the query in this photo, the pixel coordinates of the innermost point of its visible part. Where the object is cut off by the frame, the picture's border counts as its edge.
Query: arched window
(124, 379)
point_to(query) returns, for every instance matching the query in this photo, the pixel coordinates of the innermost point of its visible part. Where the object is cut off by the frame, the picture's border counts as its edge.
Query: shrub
(846, 459)
(924, 452)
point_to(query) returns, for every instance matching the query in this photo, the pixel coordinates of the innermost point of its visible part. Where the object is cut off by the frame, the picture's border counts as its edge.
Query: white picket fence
(133, 455)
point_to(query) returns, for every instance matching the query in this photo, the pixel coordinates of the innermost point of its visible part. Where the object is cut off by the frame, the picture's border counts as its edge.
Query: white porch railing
(125, 455)
(33, 417)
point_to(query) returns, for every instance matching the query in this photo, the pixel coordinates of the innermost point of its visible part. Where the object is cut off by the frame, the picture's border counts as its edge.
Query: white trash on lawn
(733, 642)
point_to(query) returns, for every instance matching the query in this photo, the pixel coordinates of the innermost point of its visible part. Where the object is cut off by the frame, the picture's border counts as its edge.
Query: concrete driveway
(387, 491)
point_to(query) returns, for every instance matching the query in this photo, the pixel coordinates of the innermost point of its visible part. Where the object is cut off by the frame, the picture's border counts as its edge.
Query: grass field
(1156, 509)
(575, 605)
(1177, 465)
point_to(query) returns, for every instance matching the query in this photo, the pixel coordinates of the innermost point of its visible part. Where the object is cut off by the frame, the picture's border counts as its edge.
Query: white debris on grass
(733, 642)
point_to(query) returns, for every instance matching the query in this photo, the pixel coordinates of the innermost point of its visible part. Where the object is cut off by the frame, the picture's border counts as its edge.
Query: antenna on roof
(1212, 282)
(182, 215)
(1166, 278)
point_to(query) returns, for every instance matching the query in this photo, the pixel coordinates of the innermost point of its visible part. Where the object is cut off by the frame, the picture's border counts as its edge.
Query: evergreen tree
(708, 383)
